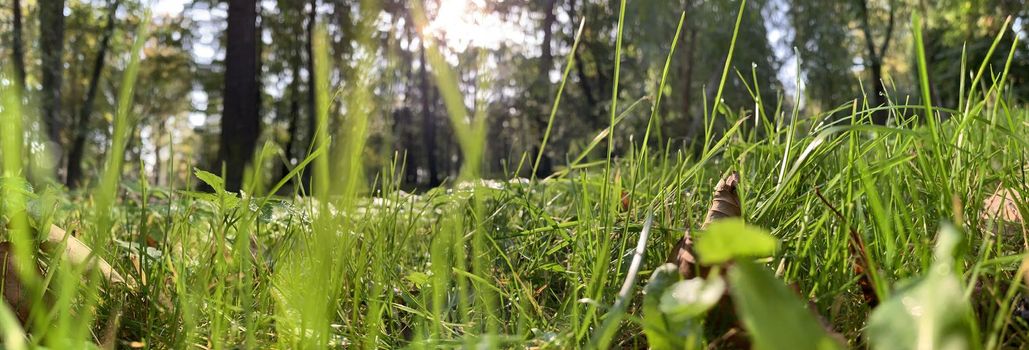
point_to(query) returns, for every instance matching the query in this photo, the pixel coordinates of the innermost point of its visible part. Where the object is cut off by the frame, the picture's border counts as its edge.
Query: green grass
(544, 262)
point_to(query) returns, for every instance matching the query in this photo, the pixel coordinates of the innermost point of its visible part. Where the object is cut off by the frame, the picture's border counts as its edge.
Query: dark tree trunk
(74, 174)
(18, 47)
(294, 119)
(687, 80)
(580, 70)
(240, 121)
(51, 47)
(158, 168)
(428, 123)
(403, 127)
(312, 123)
(874, 59)
(544, 168)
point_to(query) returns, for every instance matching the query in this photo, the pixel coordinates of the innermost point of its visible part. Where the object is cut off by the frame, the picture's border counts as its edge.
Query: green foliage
(656, 326)
(673, 309)
(225, 200)
(692, 298)
(15, 191)
(774, 316)
(928, 312)
(730, 239)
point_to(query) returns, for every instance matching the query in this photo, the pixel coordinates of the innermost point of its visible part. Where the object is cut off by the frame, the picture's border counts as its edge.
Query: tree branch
(889, 29)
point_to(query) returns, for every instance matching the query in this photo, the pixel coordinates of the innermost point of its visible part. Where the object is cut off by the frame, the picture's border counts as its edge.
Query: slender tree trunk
(158, 135)
(51, 47)
(73, 177)
(580, 71)
(294, 119)
(874, 59)
(18, 47)
(240, 121)
(428, 122)
(687, 80)
(543, 85)
(312, 16)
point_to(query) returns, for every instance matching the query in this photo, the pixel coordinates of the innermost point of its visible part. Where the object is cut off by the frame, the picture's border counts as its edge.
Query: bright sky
(466, 23)
(168, 7)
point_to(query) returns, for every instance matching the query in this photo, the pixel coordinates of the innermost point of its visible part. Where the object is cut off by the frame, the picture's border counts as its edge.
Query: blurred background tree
(220, 78)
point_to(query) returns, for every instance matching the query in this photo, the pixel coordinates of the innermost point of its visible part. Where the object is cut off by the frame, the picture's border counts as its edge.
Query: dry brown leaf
(15, 295)
(1003, 205)
(726, 203)
(861, 258)
(722, 319)
(78, 253)
(721, 322)
(1001, 209)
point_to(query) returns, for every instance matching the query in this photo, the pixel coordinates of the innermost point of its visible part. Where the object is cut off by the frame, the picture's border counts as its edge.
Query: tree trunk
(580, 70)
(51, 47)
(240, 120)
(157, 136)
(18, 47)
(294, 120)
(73, 177)
(428, 122)
(312, 16)
(874, 59)
(544, 168)
(687, 80)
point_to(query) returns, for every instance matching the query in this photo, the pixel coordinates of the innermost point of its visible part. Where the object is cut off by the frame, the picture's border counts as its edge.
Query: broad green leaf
(200, 196)
(215, 181)
(693, 297)
(661, 331)
(931, 311)
(225, 199)
(418, 278)
(772, 314)
(728, 239)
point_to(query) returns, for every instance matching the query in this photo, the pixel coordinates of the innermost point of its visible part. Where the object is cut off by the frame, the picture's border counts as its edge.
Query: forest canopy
(225, 78)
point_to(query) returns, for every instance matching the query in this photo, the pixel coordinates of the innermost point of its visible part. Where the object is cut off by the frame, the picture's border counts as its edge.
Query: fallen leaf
(721, 323)
(78, 253)
(1001, 208)
(726, 203)
(14, 291)
(861, 267)
(1003, 204)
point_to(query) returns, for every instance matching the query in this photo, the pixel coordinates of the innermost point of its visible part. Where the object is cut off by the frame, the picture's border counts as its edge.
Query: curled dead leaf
(78, 253)
(726, 203)
(1001, 209)
(15, 294)
(721, 323)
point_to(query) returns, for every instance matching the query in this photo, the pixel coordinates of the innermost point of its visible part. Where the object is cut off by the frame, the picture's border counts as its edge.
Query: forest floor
(937, 209)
